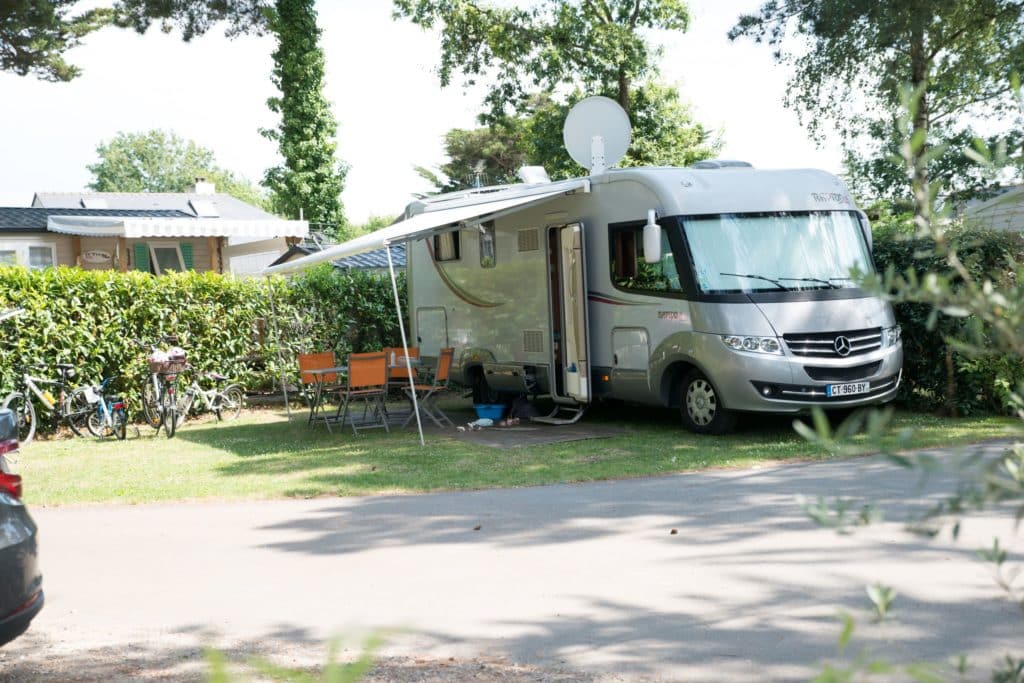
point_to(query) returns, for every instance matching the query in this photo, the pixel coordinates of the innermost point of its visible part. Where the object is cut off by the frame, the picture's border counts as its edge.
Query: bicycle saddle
(216, 376)
(64, 366)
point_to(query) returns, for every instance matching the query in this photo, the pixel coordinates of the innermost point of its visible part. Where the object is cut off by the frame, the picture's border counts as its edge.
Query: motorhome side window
(446, 246)
(631, 271)
(488, 252)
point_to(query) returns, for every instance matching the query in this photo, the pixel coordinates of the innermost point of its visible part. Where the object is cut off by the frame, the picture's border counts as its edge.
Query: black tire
(169, 412)
(151, 405)
(76, 411)
(24, 413)
(231, 401)
(120, 418)
(700, 406)
(97, 427)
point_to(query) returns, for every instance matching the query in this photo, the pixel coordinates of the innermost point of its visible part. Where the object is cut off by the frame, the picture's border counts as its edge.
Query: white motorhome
(713, 289)
(742, 300)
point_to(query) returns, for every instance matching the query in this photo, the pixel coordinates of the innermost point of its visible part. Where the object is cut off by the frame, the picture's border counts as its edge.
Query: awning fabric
(435, 220)
(107, 226)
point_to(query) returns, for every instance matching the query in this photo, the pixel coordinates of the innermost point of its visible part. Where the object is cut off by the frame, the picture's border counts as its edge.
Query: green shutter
(142, 257)
(186, 255)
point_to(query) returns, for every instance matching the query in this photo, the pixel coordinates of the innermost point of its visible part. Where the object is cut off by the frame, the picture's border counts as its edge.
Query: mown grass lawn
(263, 455)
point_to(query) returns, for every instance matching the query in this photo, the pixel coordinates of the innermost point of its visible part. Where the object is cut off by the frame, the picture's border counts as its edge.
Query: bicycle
(73, 409)
(110, 416)
(158, 394)
(225, 403)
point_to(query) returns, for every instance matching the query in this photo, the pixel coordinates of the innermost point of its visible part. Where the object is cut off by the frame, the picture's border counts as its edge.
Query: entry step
(562, 415)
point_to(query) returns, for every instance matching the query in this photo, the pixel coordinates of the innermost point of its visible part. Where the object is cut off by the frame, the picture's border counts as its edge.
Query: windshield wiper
(828, 283)
(761, 277)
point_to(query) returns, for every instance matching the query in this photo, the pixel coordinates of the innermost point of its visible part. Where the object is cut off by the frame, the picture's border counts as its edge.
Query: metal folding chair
(427, 394)
(367, 382)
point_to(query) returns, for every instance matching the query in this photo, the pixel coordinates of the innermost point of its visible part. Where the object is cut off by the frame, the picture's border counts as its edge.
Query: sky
(381, 79)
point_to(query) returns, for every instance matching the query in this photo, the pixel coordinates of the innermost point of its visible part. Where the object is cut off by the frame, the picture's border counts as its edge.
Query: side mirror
(652, 238)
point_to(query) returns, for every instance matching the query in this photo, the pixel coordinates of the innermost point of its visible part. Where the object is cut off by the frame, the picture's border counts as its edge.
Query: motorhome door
(570, 343)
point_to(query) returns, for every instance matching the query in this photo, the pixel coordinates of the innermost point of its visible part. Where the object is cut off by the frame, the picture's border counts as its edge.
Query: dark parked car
(21, 584)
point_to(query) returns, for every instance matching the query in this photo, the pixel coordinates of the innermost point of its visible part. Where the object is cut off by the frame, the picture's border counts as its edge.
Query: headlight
(891, 336)
(753, 344)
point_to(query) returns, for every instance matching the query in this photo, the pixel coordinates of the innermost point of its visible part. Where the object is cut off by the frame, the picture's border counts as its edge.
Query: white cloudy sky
(380, 77)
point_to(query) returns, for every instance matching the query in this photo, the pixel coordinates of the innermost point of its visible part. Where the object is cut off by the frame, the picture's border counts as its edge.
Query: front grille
(823, 344)
(825, 374)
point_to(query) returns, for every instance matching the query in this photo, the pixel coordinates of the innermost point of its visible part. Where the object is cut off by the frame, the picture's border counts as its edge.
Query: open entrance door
(570, 345)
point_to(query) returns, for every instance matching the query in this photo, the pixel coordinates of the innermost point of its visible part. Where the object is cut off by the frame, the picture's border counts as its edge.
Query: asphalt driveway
(579, 577)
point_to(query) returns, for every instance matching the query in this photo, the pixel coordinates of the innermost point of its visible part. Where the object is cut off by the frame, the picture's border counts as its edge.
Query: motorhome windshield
(776, 251)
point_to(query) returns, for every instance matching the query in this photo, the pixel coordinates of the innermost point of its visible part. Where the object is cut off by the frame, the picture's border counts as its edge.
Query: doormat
(537, 434)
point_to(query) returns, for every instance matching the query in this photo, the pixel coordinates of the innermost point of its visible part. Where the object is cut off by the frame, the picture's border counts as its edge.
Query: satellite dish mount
(596, 133)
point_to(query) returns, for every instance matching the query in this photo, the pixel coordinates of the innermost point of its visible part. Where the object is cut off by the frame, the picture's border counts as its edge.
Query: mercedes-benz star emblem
(842, 346)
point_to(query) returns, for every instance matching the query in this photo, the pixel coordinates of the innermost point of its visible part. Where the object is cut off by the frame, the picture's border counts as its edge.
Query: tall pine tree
(311, 178)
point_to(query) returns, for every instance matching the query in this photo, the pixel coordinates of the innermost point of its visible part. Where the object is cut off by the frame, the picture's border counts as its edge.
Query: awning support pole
(405, 345)
(280, 359)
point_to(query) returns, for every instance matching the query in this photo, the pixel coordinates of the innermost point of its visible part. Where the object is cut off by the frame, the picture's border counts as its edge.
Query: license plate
(851, 389)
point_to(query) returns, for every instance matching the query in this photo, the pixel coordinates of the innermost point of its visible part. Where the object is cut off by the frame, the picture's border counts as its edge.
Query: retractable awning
(474, 209)
(136, 227)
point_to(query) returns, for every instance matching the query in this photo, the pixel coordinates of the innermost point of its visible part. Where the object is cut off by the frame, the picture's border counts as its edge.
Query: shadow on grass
(649, 443)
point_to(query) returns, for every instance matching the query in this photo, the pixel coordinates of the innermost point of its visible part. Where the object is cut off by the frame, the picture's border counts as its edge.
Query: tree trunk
(624, 87)
(921, 121)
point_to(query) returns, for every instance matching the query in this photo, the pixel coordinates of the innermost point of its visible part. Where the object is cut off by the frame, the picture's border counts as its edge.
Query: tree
(311, 179)
(590, 45)
(664, 134)
(950, 58)
(161, 161)
(35, 35)
(195, 17)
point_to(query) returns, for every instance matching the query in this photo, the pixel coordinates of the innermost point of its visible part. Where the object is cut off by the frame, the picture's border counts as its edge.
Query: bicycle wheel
(120, 418)
(230, 402)
(169, 411)
(151, 405)
(24, 413)
(98, 426)
(76, 411)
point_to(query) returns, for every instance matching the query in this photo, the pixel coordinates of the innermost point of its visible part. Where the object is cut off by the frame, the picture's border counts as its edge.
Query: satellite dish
(596, 133)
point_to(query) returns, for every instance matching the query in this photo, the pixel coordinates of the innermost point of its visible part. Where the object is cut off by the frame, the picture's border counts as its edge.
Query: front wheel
(169, 412)
(99, 426)
(701, 406)
(151, 405)
(24, 413)
(230, 402)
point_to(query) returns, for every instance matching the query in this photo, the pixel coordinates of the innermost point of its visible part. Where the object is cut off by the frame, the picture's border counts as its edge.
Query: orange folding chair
(367, 382)
(311, 375)
(427, 394)
(398, 373)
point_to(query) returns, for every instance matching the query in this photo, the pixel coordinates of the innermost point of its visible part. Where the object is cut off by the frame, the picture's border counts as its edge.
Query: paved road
(582, 576)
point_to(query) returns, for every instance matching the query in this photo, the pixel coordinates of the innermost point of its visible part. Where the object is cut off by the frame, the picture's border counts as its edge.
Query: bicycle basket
(174, 366)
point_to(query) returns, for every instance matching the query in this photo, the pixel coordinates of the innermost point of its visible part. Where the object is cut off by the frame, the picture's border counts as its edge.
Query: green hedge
(90, 319)
(935, 376)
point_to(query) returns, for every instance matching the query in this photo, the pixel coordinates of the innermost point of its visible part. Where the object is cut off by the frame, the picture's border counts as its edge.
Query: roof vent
(722, 163)
(203, 186)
